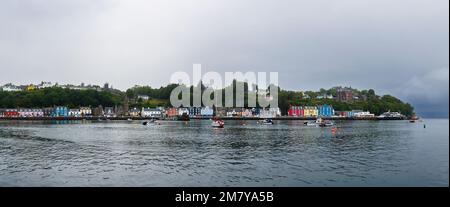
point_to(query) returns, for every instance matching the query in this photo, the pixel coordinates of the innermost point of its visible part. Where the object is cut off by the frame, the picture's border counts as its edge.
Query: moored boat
(217, 123)
(323, 123)
(267, 122)
(145, 123)
(413, 118)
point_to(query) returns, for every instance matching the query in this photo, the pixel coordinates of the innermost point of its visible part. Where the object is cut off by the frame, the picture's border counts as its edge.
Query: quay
(124, 118)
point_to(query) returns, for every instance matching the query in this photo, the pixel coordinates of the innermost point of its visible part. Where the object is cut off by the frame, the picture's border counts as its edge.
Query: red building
(296, 111)
(172, 112)
(11, 113)
(344, 95)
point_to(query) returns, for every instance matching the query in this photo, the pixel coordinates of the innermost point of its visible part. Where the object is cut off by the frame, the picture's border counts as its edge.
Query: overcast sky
(395, 47)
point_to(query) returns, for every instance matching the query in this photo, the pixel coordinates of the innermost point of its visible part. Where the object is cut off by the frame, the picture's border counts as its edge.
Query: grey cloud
(312, 44)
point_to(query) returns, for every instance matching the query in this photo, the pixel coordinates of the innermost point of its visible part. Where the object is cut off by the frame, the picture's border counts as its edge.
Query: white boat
(323, 123)
(217, 123)
(307, 123)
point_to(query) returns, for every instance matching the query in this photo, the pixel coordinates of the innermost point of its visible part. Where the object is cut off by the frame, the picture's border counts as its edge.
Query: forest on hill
(366, 100)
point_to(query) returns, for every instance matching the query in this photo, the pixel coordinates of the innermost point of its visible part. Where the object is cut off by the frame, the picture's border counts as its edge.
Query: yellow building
(31, 87)
(311, 111)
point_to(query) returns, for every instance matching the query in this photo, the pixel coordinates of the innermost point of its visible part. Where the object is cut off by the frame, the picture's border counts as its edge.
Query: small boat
(145, 123)
(413, 119)
(129, 119)
(323, 123)
(217, 123)
(267, 122)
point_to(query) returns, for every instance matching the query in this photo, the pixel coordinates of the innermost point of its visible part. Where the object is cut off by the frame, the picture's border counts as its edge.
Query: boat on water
(413, 119)
(267, 122)
(307, 123)
(324, 123)
(217, 123)
(146, 123)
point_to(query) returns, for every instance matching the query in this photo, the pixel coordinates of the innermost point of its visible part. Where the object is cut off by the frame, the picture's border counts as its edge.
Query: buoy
(424, 126)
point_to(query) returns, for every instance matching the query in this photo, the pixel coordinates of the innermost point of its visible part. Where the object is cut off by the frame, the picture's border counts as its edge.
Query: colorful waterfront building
(207, 111)
(310, 111)
(296, 111)
(109, 112)
(74, 113)
(60, 111)
(48, 111)
(349, 114)
(194, 111)
(85, 111)
(221, 111)
(238, 112)
(269, 112)
(325, 110)
(98, 111)
(183, 111)
(247, 113)
(11, 113)
(135, 112)
(151, 112)
(31, 113)
(171, 112)
(231, 112)
(363, 114)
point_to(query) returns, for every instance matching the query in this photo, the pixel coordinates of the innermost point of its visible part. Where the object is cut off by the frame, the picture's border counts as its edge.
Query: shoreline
(193, 118)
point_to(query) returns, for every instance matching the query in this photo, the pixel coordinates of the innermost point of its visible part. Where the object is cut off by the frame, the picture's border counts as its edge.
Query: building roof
(151, 109)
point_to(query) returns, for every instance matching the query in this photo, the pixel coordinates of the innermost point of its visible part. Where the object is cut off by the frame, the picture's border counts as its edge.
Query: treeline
(367, 99)
(57, 96)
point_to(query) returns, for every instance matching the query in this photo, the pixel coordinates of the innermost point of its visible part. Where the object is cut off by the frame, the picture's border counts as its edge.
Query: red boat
(217, 123)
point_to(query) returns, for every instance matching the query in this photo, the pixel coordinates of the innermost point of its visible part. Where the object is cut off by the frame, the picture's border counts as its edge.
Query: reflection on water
(121, 153)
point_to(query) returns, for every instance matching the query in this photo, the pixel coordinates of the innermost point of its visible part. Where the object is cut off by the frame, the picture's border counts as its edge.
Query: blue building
(194, 111)
(207, 112)
(325, 110)
(256, 111)
(60, 111)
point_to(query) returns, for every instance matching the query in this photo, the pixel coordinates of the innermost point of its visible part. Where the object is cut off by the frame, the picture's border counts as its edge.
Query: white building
(270, 113)
(109, 112)
(363, 114)
(247, 113)
(135, 112)
(325, 96)
(143, 97)
(151, 112)
(182, 111)
(85, 111)
(74, 112)
(45, 85)
(207, 111)
(10, 88)
(31, 113)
